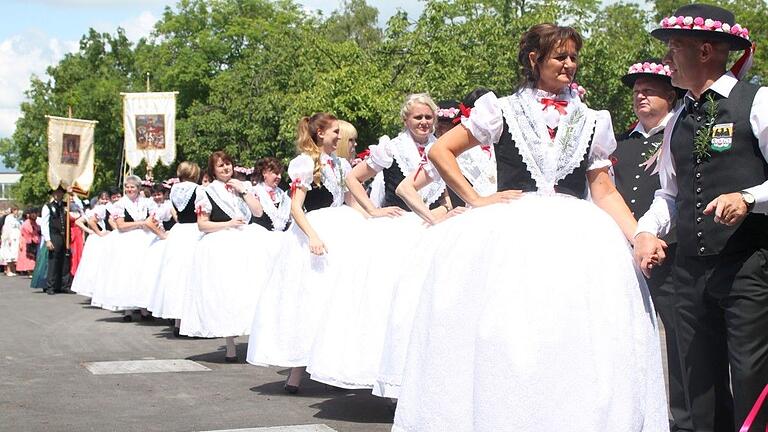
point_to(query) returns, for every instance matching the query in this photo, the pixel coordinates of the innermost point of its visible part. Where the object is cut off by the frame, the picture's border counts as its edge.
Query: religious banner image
(70, 152)
(149, 122)
(150, 131)
(70, 149)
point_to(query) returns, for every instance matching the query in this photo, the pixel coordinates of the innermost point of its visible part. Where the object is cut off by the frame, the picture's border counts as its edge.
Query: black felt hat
(705, 22)
(648, 68)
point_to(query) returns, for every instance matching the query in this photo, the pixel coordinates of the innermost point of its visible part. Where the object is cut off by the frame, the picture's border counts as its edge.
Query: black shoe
(127, 318)
(232, 359)
(176, 332)
(147, 318)
(292, 389)
(50, 292)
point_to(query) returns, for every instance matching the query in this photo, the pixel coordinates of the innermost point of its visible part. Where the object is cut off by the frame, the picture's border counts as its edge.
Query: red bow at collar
(330, 164)
(558, 104)
(271, 192)
(487, 150)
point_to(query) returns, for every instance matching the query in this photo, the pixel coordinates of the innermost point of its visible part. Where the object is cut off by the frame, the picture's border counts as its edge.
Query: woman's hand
(387, 212)
(237, 222)
(316, 246)
(102, 233)
(498, 197)
(237, 185)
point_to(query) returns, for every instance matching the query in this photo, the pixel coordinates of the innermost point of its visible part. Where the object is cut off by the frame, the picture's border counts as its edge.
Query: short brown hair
(542, 39)
(214, 159)
(266, 164)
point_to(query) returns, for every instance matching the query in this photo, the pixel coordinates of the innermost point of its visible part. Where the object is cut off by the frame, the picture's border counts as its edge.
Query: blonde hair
(306, 138)
(188, 171)
(347, 131)
(416, 98)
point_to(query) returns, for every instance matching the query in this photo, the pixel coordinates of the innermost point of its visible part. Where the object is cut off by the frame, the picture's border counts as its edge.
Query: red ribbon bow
(272, 194)
(465, 111)
(294, 185)
(487, 150)
(558, 104)
(330, 164)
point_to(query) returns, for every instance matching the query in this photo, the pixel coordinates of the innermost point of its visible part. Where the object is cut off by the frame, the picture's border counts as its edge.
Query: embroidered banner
(70, 152)
(149, 120)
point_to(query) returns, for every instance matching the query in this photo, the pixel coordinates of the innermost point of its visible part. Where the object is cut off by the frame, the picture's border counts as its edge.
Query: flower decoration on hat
(243, 170)
(650, 68)
(708, 24)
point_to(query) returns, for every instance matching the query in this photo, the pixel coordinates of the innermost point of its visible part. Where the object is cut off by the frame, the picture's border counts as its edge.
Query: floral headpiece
(581, 91)
(243, 170)
(170, 182)
(448, 113)
(147, 183)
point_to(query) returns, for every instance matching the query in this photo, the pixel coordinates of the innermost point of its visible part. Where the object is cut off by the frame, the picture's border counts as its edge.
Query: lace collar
(279, 209)
(334, 174)
(548, 160)
(181, 193)
(228, 201)
(138, 208)
(406, 152)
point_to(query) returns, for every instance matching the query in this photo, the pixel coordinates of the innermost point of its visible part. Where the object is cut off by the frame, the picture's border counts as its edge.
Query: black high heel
(292, 389)
(232, 359)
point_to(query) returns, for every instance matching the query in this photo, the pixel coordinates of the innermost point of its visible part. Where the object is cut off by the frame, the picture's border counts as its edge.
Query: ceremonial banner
(149, 120)
(70, 152)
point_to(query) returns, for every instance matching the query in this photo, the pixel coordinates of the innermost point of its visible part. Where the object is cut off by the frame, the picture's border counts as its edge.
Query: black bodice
(512, 173)
(264, 220)
(187, 214)
(217, 214)
(318, 197)
(107, 215)
(392, 178)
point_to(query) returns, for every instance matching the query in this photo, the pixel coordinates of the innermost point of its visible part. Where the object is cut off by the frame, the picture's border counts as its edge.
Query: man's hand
(729, 209)
(49, 245)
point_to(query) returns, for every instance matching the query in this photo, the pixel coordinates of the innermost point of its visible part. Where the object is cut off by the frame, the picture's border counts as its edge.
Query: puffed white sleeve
(118, 210)
(202, 203)
(301, 169)
(381, 156)
(163, 212)
(485, 121)
(603, 142)
(99, 212)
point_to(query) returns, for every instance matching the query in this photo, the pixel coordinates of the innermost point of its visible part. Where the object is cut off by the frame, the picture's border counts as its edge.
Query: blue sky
(35, 34)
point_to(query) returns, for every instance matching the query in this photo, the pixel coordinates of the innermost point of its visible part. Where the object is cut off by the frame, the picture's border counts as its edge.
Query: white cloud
(21, 56)
(135, 28)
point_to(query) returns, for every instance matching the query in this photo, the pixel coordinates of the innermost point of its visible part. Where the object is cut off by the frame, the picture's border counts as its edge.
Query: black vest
(187, 214)
(634, 182)
(513, 174)
(700, 180)
(56, 218)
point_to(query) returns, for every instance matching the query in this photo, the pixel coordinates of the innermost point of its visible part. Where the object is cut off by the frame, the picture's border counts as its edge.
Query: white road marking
(143, 366)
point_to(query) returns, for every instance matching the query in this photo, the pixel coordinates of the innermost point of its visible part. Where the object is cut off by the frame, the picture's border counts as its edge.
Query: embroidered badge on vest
(722, 137)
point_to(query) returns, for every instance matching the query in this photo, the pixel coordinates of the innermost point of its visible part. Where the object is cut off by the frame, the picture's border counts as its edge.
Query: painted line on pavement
(295, 428)
(143, 366)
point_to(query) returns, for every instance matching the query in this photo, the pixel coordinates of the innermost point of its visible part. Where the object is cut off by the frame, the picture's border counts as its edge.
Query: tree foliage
(247, 70)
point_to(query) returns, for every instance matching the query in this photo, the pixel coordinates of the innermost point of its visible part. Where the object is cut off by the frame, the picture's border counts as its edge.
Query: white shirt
(662, 215)
(654, 130)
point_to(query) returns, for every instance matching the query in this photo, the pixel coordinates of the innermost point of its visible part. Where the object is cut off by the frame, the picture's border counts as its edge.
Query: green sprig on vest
(703, 137)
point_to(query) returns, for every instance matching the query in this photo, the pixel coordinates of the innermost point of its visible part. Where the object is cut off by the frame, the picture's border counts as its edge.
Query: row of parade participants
(289, 269)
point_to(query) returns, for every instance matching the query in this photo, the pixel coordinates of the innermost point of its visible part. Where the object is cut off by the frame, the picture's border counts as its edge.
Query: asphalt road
(44, 385)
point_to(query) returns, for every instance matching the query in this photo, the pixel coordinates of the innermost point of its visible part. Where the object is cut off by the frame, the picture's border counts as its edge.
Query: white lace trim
(334, 174)
(530, 135)
(181, 193)
(228, 202)
(479, 167)
(139, 209)
(405, 152)
(280, 214)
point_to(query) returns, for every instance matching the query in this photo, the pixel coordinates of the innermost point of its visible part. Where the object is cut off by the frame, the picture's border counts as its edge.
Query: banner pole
(66, 239)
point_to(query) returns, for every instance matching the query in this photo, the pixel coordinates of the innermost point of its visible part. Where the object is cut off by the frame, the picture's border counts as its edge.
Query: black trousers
(662, 290)
(57, 278)
(722, 327)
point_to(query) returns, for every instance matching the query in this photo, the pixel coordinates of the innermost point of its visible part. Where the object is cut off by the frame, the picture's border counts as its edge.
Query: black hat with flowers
(704, 21)
(649, 68)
